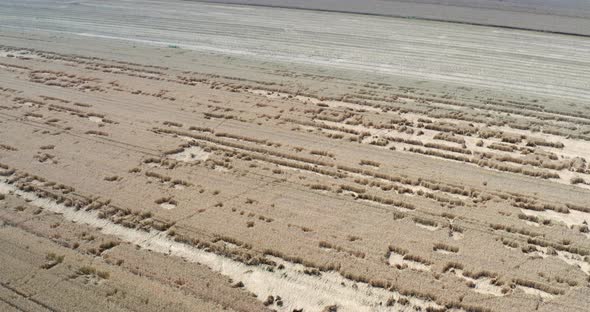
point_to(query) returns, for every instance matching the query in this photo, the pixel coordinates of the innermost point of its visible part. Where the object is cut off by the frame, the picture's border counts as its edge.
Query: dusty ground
(138, 175)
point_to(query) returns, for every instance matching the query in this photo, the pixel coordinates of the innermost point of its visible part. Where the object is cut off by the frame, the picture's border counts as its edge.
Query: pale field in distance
(183, 156)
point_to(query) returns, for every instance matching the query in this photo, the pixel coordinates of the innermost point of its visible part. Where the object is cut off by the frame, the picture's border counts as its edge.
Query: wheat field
(212, 167)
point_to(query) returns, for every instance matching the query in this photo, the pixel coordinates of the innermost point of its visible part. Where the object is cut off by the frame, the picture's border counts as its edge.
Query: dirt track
(230, 157)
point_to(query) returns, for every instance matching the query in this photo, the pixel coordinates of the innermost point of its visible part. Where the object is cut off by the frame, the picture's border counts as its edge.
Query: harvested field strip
(400, 204)
(538, 286)
(402, 260)
(61, 108)
(536, 112)
(101, 139)
(245, 147)
(323, 126)
(279, 161)
(318, 170)
(429, 223)
(490, 164)
(528, 172)
(451, 130)
(451, 102)
(157, 242)
(473, 228)
(495, 164)
(412, 184)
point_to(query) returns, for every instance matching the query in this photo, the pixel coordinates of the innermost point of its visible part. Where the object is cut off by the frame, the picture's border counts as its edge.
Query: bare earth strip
(206, 157)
